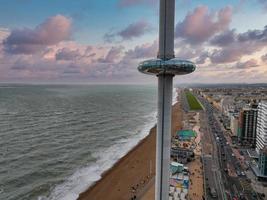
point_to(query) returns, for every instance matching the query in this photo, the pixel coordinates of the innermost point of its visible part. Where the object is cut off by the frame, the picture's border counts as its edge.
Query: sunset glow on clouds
(53, 50)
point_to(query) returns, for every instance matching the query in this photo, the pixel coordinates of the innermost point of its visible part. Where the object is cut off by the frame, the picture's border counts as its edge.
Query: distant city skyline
(103, 41)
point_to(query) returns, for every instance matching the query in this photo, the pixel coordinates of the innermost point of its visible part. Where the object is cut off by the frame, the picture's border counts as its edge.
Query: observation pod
(169, 67)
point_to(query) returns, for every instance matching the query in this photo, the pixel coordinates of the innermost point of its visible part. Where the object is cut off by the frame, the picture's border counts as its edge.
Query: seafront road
(225, 171)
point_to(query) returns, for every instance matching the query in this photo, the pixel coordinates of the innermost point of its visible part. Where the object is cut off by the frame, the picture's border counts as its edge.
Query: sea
(57, 140)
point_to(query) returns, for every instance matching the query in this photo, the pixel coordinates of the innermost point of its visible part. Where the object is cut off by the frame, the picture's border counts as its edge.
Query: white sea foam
(86, 176)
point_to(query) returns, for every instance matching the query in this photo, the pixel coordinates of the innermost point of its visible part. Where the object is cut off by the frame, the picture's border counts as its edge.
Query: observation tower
(165, 67)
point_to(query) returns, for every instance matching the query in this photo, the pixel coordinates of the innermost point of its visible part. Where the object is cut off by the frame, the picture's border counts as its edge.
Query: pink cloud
(234, 46)
(59, 57)
(201, 24)
(248, 64)
(29, 41)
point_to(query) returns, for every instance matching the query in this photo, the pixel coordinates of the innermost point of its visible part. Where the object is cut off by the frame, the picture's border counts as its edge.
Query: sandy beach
(195, 167)
(133, 175)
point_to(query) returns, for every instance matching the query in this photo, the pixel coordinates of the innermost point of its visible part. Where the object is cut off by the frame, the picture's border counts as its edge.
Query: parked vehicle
(213, 192)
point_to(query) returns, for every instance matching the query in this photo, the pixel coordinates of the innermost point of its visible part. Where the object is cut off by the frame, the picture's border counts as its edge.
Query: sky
(100, 41)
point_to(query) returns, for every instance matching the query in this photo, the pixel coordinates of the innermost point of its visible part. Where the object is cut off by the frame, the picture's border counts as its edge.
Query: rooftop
(186, 134)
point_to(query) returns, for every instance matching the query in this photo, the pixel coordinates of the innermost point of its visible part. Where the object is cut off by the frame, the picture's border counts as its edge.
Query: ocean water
(55, 141)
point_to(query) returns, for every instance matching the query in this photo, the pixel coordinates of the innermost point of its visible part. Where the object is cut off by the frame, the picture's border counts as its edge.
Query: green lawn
(192, 101)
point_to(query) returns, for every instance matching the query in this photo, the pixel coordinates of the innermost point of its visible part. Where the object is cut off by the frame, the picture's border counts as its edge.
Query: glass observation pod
(173, 66)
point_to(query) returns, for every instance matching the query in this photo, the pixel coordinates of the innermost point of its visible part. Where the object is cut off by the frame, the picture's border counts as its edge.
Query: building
(176, 167)
(247, 125)
(227, 103)
(262, 164)
(186, 135)
(261, 142)
(260, 170)
(182, 153)
(234, 125)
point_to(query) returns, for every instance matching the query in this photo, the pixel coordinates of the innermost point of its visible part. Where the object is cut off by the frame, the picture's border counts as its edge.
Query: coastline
(131, 175)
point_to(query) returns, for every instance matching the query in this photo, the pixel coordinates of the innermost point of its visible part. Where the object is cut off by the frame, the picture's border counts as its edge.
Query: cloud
(71, 70)
(202, 58)
(264, 58)
(113, 55)
(128, 3)
(263, 3)
(224, 38)
(21, 63)
(201, 24)
(221, 54)
(234, 46)
(255, 35)
(248, 64)
(133, 30)
(225, 55)
(4, 32)
(67, 54)
(185, 51)
(147, 50)
(29, 41)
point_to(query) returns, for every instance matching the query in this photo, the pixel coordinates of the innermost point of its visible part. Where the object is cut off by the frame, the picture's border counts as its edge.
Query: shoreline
(110, 170)
(128, 177)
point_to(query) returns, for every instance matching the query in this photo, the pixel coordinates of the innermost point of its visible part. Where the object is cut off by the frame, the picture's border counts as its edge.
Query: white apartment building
(234, 125)
(261, 140)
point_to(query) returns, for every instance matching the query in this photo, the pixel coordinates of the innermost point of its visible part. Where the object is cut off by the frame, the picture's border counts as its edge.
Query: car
(254, 194)
(213, 192)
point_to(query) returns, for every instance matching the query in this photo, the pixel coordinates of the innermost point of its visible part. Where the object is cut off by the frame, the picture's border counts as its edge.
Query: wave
(84, 177)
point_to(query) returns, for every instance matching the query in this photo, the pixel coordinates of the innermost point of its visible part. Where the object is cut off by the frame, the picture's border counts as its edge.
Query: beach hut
(176, 167)
(183, 196)
(180, 177)
(172, 189)
(179, 190)
(186, 184)
(185, 190)
(173, 182)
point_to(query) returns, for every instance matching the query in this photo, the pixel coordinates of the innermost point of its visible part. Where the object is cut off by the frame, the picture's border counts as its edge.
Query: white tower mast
(165, 67)
(165, 86)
